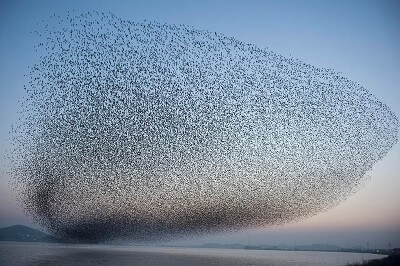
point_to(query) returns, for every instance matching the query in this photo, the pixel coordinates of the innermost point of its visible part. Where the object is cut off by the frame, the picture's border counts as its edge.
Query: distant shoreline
(21, 233)
(188, 247)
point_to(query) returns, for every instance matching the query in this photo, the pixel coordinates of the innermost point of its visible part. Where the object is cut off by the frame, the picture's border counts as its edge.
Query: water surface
(18, 253)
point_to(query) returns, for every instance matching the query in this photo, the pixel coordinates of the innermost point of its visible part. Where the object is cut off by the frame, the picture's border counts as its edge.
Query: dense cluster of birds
(147, 131)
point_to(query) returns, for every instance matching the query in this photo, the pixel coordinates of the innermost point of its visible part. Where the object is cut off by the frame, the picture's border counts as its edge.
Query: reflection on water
(14, 253)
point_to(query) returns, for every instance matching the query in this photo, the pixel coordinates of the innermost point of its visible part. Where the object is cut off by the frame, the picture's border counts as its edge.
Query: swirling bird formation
(147, 131)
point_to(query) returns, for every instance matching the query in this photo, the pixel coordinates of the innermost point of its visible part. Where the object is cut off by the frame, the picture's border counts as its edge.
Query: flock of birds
(147, 131)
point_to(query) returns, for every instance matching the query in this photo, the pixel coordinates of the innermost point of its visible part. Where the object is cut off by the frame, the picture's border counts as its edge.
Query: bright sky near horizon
(360, 39)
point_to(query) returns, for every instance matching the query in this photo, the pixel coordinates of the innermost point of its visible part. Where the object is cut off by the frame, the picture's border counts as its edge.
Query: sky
(360, 39)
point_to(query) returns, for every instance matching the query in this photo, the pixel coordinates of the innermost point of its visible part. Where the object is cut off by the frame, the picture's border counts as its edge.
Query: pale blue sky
(361, 39)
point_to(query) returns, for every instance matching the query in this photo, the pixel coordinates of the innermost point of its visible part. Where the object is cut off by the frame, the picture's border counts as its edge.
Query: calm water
(14, 253)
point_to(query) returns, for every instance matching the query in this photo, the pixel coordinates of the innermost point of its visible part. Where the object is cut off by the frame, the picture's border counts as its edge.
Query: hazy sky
(361, 39)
